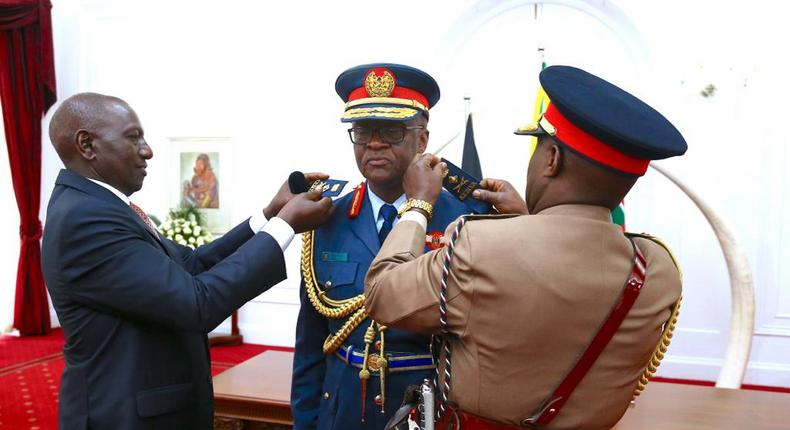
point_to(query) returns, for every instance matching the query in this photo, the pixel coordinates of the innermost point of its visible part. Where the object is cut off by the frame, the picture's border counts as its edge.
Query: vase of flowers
(185, 226)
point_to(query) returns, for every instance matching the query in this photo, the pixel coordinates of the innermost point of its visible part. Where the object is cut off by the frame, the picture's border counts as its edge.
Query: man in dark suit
(135, 308)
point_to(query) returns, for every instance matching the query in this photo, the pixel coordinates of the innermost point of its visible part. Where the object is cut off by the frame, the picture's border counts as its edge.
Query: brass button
(326, 395)
(377, 400)
(373, 362)
(328, 284)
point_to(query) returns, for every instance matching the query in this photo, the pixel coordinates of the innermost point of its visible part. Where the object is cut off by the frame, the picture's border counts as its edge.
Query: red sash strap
(456, 419)
(552, 406)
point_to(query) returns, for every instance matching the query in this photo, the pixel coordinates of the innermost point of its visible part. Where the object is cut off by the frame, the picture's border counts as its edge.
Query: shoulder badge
(329, 187)
(434, 239)
(461, 185)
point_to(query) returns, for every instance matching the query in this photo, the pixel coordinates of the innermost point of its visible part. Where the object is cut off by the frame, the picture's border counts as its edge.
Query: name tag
(334, 256)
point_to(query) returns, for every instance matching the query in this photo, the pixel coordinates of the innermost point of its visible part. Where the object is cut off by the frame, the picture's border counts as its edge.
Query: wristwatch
(417, 204)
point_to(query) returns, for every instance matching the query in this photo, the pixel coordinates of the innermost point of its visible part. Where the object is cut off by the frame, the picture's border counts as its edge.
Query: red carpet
(30, 371)
(17, 350)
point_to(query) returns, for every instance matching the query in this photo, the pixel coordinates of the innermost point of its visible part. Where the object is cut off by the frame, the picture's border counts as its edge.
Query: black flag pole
(470, 162)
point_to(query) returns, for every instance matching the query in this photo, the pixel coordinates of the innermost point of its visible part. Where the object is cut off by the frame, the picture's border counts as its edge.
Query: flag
(470, 163)
(541, 103)
(618, 215)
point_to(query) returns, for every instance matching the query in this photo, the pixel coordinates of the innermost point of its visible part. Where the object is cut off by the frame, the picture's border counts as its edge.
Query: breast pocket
(338, 279)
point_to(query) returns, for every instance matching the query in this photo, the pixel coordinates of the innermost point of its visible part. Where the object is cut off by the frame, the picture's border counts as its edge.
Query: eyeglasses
(392, 135)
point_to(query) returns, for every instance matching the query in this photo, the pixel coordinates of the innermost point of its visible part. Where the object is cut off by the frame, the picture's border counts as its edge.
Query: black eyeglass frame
(375, 130)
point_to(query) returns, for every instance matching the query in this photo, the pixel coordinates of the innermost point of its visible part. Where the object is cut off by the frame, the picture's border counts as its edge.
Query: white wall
(262, 73)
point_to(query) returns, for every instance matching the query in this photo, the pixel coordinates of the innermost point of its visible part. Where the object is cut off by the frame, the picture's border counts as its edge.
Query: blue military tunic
(326, 390)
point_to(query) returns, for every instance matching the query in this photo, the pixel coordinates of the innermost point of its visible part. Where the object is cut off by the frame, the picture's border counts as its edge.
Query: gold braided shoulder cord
(335, 340)
(669, 328)
(660, 351)
(325, 306)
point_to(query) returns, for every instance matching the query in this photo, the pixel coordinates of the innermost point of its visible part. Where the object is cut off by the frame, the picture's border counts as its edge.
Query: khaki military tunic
(526, 296)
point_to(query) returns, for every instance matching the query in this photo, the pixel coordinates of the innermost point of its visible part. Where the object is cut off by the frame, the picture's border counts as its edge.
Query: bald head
(100, 137)
(558, 176)
(83, 111)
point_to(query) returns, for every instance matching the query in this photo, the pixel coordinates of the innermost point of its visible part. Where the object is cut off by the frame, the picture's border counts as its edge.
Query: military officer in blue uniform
(350, 372)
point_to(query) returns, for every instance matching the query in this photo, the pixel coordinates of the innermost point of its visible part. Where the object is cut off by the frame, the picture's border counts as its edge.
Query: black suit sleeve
(206, 256)
(106, 264)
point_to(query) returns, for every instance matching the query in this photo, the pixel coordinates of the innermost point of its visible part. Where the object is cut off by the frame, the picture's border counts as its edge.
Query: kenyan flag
(618, 216)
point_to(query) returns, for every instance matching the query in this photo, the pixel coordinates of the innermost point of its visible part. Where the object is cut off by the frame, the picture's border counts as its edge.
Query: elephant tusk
(739, 342)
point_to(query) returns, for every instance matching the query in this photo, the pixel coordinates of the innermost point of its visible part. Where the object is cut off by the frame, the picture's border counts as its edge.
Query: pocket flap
(161, 400)
(338, 273)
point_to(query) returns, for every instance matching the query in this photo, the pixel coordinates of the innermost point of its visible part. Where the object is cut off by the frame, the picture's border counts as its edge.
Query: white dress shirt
(377, 202)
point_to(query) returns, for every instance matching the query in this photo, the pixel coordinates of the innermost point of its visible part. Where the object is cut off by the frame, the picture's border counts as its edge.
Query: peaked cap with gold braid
(386, 91)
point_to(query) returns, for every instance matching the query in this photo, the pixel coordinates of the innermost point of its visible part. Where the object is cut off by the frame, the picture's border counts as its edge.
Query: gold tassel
(382, 366)
(364, 374)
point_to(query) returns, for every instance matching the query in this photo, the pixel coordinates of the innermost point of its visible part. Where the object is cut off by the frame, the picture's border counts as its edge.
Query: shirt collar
(598, 213)
(377, 202)
(112, 189)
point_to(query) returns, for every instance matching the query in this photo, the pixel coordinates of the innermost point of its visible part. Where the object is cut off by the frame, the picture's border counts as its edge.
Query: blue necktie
(388, 212)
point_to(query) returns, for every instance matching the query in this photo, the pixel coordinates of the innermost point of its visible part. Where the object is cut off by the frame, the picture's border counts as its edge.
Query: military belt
(395, 361)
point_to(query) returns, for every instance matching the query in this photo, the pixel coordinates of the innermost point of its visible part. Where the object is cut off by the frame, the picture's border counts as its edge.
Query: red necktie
(141, 213)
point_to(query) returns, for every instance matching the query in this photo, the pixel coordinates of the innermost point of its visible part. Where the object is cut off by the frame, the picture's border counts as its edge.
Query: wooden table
(256, 395)
(687, 407)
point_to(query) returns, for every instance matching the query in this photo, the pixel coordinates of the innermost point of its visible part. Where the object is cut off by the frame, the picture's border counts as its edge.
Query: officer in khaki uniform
(551, 318)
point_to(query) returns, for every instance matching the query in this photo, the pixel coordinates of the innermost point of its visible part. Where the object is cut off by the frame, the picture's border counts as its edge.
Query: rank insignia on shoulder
(356, 201)
(461, 184)
(329, 187)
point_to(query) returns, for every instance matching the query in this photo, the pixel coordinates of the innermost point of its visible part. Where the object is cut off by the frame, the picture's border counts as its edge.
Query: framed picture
(199, 178)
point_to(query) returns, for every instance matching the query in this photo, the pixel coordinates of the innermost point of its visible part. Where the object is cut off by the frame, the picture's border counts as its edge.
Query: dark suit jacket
(135, 309)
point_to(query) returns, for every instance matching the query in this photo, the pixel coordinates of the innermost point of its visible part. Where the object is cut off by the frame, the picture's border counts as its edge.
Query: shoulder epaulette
(660, 243)
(474, 217)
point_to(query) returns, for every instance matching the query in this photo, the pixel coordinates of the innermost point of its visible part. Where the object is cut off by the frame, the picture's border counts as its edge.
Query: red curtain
(27, 90)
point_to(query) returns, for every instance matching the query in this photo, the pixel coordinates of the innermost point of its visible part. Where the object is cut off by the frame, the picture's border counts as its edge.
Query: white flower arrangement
(184, 226)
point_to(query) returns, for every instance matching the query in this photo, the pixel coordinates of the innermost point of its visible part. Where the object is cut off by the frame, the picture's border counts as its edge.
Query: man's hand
(502, 195)
(306, 211)
(423, 178)
(284, 194)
